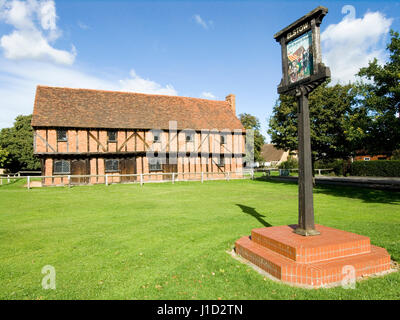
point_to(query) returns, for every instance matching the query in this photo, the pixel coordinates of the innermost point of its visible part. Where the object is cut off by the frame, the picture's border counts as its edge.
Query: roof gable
(270, 153)
(86, 108)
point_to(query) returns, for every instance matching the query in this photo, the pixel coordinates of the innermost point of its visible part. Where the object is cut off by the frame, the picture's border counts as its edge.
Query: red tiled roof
(85, 108)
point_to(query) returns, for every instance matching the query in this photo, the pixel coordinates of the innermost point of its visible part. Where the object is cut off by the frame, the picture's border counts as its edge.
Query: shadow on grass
(252, 212)
(368, 195)
(365, 194)
(11, 183)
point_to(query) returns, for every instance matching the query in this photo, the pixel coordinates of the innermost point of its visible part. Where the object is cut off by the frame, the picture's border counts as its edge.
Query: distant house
(95, 132)
(273, 156)
(367, 157)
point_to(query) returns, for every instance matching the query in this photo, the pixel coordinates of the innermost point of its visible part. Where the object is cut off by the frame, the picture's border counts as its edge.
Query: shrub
(395, 155)
(377, 168)
(290, 163)
(340, 167)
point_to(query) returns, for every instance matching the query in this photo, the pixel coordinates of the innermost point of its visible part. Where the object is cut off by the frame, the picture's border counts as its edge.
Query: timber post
(303, 71)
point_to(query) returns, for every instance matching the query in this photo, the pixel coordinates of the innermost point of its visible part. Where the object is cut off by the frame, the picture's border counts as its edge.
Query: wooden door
(79, 167)
(169, 168)
(128, 166)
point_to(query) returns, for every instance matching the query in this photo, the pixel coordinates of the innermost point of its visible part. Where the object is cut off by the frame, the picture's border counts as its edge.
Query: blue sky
(188, 48)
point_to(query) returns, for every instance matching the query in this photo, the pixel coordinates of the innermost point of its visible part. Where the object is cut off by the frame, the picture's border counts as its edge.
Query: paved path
(368, 182)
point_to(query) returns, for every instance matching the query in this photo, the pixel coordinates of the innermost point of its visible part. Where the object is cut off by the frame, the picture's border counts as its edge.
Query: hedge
(377, 168)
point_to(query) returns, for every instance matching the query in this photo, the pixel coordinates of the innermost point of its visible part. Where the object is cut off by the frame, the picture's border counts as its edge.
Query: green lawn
(164, 241)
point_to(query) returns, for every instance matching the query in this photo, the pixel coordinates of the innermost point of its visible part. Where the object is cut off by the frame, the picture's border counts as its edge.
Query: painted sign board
(300, 57)
(301, 52)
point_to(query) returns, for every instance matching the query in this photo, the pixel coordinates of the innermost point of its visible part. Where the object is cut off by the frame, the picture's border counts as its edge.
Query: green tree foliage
(338, 122)
(3, 158)
(251, 122)
(383, 99)
(290, 163)
(395, 155)
(18, 143)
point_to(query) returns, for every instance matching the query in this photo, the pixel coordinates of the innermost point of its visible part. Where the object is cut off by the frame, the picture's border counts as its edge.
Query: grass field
(164, 241)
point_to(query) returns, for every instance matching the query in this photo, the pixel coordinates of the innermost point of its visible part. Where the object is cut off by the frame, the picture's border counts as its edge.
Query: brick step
(317, 274)
(330, 244)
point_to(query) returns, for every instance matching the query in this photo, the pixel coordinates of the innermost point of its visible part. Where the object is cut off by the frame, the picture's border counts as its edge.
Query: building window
(156, 137)
(189, 136)
(112, 136)
(221, 162)
(155, 165)
(367, 158)
(223, 139)
(111, 165)
(62, 167)
(62, 135)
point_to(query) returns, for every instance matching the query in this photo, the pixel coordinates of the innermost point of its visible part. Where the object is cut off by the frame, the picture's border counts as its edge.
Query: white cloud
(137, 84)
(207, 95)
(29, 61)
(35, 27)
(352, 43)
(201, 22)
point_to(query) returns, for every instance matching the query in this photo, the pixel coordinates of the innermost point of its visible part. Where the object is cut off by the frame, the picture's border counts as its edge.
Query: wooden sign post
(303, 71)
(306, 261)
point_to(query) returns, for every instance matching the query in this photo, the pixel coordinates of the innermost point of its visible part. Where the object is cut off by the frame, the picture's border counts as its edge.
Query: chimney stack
(230, 98)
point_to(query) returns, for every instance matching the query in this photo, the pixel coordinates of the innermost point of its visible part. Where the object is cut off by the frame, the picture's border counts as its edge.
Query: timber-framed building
(97, 132)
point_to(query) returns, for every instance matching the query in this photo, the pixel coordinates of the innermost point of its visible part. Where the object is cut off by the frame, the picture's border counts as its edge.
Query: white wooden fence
(140, 178)
(281, 171)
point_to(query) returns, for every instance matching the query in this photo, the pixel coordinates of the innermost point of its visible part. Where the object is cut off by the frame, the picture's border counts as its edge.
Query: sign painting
(300, 58)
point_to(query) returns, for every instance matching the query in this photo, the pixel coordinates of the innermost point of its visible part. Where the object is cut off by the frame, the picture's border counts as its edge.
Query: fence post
(228, 176)
(202, 177)
(69, 181)
(8, 178)
(141, 179)
(173, 177)
(29, 182)
(106, 179)
(252, 174)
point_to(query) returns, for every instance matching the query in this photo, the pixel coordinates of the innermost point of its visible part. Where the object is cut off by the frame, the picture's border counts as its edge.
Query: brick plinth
(314, 261)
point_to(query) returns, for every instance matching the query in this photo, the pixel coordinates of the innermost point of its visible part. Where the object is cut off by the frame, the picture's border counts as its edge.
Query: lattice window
(62, 135)
(112, 165)
(112, 136)
(155, 165)
(62, 167)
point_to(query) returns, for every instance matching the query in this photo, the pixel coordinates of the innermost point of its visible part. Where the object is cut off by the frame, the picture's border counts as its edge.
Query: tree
(18, 143)
(383, 99)
(338, 122)
(3, 158)
(251, 122)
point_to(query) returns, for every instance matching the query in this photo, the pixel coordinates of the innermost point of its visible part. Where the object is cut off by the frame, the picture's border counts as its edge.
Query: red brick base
(313, 261)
